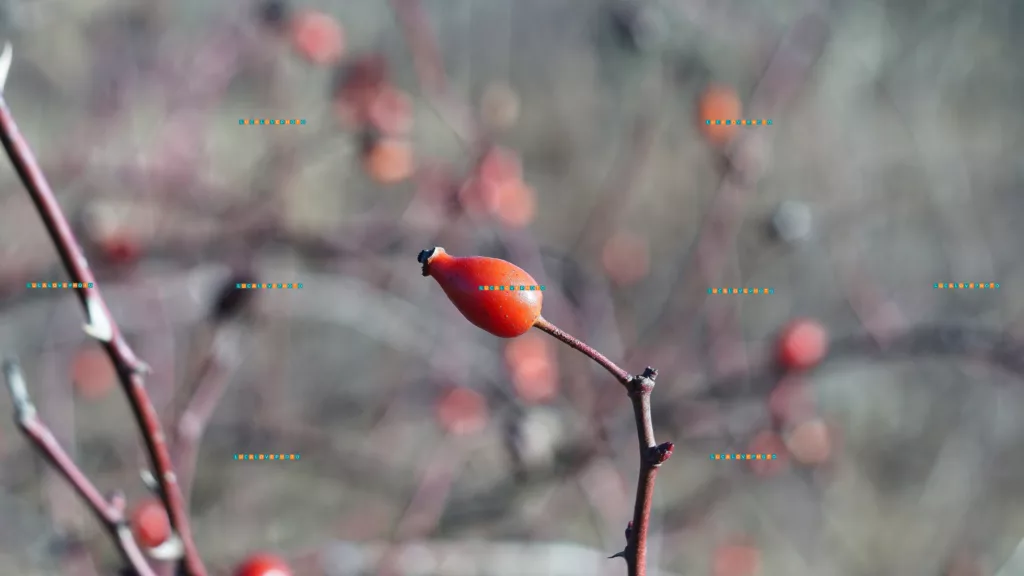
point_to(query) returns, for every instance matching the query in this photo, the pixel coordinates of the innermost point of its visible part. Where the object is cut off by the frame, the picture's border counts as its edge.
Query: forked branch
(109, 511)
(99, 323)
(652, 455)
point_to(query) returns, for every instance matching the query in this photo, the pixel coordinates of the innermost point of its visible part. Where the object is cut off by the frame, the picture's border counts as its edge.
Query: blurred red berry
(736, 560)
(516, 204)
(390, 112)
(626, 258)
(504, 313)
(533, 367)
(810, 442)
(803, 344)
(496, 187)
(150, 524)
(92, 373)
(120, 249)
(389, 160)
(462, 411)
(317, 37)
(499, 165)
(263, 564)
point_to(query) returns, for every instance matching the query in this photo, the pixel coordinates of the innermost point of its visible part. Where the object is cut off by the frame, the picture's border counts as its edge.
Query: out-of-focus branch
(214, 375)
(100, 324)
(110, 512)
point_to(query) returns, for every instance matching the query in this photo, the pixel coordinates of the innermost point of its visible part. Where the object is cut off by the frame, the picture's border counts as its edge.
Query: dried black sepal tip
(231, 300)
(273, 13)
(424, 259)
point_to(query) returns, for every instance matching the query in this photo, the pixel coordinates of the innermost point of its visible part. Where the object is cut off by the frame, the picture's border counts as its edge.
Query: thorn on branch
(629, 540)
(660, 454)
(98, 324)
(149, 481)
(23, 407)
(5, 64)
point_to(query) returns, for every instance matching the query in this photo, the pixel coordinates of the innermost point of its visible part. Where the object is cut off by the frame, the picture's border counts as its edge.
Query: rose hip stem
(652, 455)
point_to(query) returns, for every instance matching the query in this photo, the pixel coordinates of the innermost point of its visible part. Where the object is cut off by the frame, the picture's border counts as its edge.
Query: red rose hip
(504, 313)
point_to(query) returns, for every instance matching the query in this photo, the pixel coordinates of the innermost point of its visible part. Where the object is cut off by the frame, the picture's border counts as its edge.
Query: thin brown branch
(621, 375)
(101, 326)
(652, 455)
(110, 512)
(430, 69)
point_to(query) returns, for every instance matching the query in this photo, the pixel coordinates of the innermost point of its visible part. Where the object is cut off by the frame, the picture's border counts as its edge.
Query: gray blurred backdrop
(897, 124)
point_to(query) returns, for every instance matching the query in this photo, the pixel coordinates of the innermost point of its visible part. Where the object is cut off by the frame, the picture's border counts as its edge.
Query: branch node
(658, 455)
(644, 383)
(117, 501)
(23, 407)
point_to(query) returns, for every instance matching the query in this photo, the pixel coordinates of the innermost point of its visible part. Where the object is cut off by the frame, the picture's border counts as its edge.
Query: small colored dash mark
(966, 286)
(271, 122)
(74, 285)
(741, 290)
(249, 286)
(740, 122)
(511, 288)
(743, 457)
(274, 457)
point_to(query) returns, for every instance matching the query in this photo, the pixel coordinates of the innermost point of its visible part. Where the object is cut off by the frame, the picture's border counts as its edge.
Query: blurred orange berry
(768, 442)
(462, 411)
(499, 107)
(390, 111)
(803, 344)
(499, 165)
(150, 523)
(736, 560)
(533, 367)
(496, 187)
(389, 160)
(317, 37)
(516, 204)
(810, 442)
(792, 401)
(92, 373)
(626, 257)
(718, 102)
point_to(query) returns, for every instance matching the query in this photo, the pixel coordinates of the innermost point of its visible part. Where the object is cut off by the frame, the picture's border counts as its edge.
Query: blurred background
(565, 136)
